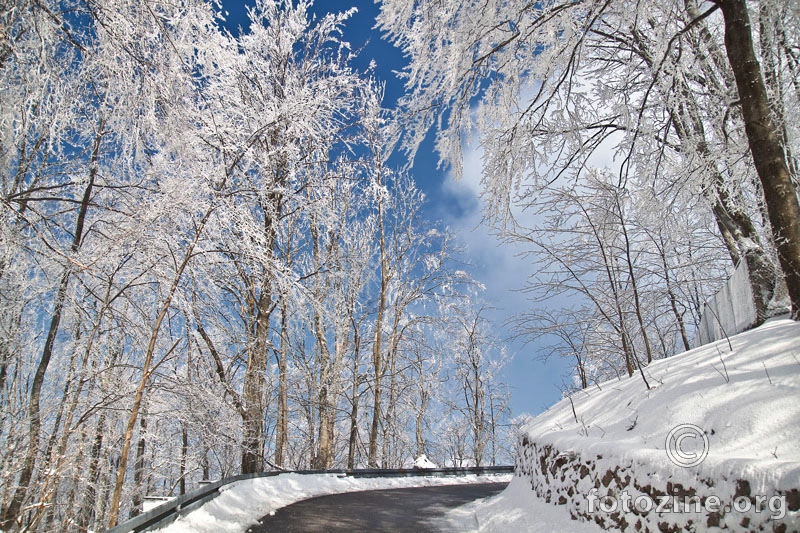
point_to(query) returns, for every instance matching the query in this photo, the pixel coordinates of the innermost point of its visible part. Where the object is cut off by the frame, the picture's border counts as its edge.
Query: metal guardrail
(168, 512)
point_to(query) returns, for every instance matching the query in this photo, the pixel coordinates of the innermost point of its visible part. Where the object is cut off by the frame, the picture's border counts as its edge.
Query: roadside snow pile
(616, 451)
(241, 504)
(514, 510)
(423, 462)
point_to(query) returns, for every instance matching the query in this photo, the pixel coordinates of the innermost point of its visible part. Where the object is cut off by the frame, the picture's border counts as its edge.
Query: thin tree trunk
(5, 352)
(673, 300)
(390, 426)
(86, 513)
(282, 426)
(53, 463)
(184, 454)
(12, 516)
(419, 421)
(87, 510)
(634, 284)
(57, 460)
(419, 418)
(147, 370)
(323, 457)
(377, 356)
(356, 396)
(735, 225)
(480, 416)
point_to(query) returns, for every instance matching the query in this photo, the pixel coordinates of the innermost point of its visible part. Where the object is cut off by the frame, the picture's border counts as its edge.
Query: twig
(725, 376)
(730, 347)
(767, 372)
(573, 408)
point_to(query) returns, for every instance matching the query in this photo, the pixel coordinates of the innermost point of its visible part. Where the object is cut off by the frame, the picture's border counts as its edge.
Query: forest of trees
(637, 151)
(207, 267)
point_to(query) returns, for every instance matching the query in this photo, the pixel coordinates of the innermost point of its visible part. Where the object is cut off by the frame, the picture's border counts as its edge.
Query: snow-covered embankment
(603, 454)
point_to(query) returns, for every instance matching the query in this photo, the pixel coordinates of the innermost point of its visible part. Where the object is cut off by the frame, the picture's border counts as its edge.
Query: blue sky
(534, 384)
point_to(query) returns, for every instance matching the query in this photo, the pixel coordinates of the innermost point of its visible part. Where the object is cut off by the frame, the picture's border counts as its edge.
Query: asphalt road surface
(409, 509)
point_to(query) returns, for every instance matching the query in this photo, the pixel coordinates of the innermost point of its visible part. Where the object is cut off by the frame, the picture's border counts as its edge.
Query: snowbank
(612, 441)
(514, 510)
(424, 463)
(241, 504)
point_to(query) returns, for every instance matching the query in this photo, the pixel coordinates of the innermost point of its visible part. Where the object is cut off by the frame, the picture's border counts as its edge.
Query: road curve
(393, 510)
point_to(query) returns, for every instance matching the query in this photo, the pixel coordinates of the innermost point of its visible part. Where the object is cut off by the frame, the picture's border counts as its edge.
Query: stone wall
(583, 483)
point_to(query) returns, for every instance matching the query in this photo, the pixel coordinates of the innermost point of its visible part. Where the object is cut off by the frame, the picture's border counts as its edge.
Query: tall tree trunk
(769, 31)
(356, 396)
(323, 458)
(58, 458)
(138, 469)
(390, 424)
(254, 389)
(255, 379)
(419, 424)
(377, 356)
(87, 509)
(282, 426)
(634, 285)
(735, 224)
(479, 415)
(184, 454)
(54, 461)
(768, 154)
(419, 416)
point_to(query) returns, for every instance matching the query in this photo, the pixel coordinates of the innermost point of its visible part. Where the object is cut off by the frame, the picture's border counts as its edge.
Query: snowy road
(410, 509)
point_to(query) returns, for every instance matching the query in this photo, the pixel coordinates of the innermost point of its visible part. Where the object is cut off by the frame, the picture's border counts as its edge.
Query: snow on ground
(746, 401)
(241, 504)
(515, 509)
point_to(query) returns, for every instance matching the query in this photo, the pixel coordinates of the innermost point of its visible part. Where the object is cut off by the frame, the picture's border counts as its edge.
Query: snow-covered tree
(181, 206)
(547, 86)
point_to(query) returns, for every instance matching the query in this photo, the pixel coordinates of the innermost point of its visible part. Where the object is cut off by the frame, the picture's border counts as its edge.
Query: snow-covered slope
(747, 401)
(743, 404)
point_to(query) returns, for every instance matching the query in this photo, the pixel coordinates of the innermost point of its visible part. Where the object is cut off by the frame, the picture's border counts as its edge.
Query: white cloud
(504, 269)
